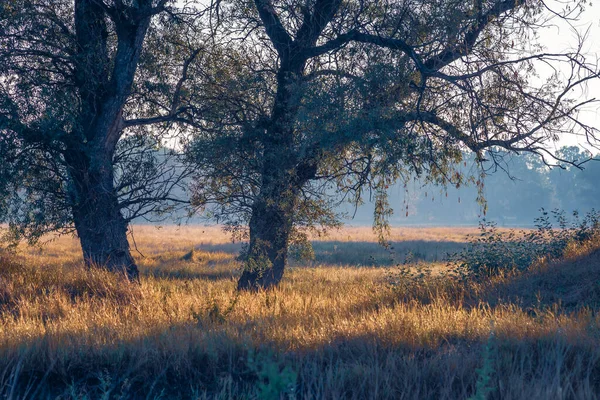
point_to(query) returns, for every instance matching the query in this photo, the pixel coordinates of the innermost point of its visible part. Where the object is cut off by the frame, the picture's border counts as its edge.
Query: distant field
(349, 245)
(330, 331)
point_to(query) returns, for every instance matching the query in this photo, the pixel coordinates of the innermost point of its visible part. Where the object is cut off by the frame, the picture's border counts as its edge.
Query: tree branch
(314, 23)
(455, 51)
(279, 36)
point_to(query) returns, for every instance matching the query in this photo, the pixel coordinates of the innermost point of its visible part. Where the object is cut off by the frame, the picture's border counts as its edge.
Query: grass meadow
(352, 324)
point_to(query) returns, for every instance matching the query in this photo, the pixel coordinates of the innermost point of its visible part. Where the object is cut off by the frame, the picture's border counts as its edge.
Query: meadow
(358, 322)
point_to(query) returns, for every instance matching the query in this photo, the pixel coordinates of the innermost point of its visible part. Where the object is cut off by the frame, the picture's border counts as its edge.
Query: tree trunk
(102, 232)
(97, 216)
(282, 178)
(101, 228)
(270, 228)
(272, 222)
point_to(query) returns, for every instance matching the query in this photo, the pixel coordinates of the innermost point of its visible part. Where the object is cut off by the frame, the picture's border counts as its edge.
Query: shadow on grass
(571, 285)
(189, 274)
(225, 363)
(195, 264)
(363, 253)
(214, 356)
(202, 264)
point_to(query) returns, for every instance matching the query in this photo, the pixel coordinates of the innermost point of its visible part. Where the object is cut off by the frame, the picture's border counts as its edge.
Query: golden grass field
(332, 330)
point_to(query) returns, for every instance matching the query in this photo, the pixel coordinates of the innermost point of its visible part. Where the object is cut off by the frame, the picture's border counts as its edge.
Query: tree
(576, 188)
(518, 194)
(355, 95)
(87, 91)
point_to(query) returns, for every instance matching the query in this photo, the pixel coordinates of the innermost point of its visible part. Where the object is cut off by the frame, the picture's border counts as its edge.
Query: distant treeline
(514, 196)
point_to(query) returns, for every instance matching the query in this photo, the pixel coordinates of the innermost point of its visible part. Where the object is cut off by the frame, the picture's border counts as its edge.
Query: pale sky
(559, 36)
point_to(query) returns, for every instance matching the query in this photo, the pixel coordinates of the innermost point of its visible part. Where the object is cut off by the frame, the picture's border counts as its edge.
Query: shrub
(496, 252)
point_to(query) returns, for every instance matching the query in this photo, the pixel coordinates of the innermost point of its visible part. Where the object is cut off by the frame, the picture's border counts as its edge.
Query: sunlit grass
(342, 331)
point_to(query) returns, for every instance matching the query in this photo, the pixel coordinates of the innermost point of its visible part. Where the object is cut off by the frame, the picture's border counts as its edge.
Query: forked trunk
(103, 94)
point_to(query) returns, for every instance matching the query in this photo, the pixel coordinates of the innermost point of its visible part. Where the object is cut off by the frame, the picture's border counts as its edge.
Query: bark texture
(272, 218)
(101, 228)
(104, 86)
(285, 169)
(67, 70)
(270, 227)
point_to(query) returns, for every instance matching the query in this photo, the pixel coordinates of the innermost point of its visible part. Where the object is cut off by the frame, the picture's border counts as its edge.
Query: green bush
(494, 252)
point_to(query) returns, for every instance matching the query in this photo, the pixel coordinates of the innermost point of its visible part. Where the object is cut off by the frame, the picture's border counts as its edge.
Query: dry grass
(327, 332)
(572, 283)
(175, 235)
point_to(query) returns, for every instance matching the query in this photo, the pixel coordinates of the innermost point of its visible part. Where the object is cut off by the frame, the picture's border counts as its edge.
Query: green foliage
(256, 258)
(411, 274)
(218, 314)
(54, 145)
(495, 252)
(282, 126)
(274, 380)
(301, 248)
(485, 373)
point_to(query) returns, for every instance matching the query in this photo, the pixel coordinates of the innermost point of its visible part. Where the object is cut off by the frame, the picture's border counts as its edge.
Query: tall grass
(327, 332)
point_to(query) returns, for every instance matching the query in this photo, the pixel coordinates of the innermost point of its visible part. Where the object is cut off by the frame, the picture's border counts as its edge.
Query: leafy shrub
(495, 252)
(410, 274)
(274, 381)
(484, 386)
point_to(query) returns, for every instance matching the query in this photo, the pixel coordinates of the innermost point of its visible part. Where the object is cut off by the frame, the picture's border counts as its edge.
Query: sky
(559, 36)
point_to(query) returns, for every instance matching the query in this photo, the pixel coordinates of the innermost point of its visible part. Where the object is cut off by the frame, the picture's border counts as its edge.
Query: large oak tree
(310, 95)
(88, 89)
